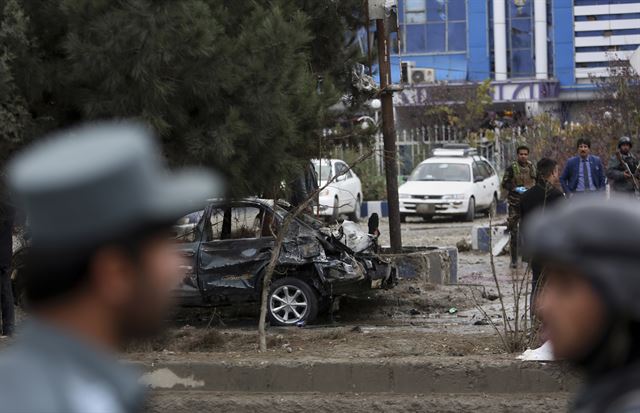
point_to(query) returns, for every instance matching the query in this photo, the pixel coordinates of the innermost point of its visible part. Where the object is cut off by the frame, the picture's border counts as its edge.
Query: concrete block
(480, 239)
(433, 265)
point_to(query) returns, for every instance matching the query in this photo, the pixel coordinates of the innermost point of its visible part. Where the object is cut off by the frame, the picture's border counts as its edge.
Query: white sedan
(343, 195)
(454, 182)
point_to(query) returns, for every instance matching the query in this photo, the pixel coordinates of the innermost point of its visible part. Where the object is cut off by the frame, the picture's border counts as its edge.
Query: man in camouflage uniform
(518, 178)
(621, 179)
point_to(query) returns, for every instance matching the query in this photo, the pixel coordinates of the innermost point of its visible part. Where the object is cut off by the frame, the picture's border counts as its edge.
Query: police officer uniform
(517, 179)
(616, 169)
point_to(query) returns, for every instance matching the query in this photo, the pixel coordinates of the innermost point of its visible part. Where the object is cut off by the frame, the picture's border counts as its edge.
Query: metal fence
(415, 145)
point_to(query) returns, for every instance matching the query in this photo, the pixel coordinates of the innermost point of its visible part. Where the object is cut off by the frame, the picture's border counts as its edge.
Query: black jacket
(7, 216)
(539, 196)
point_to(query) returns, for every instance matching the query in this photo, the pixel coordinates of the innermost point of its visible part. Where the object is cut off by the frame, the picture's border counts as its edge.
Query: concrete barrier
(431, 264)
(422, 376)
(480, 239)
(369, 207)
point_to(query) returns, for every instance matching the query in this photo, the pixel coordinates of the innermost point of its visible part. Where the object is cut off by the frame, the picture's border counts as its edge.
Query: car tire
(355, 216)
(427, 218)
(471, 210)
(336, 210)
(292, 301)
(403, 218)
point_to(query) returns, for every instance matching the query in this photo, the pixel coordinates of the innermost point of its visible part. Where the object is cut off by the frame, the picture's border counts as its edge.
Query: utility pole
(389, 135)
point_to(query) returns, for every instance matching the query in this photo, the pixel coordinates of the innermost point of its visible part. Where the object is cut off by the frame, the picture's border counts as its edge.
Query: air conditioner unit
(420, 75)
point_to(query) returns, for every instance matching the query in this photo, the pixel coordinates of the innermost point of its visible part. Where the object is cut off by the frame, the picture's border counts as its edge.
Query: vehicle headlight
(401, 195)
(455, 196)
(324, 192)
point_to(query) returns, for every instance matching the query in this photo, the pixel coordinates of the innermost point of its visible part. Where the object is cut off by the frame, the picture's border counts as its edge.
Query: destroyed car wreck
(229, 244)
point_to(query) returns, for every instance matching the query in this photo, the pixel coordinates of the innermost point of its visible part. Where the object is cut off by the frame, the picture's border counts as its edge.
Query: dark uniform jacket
(6, 234)
(541, 195)
(517, 175)
(615, 173)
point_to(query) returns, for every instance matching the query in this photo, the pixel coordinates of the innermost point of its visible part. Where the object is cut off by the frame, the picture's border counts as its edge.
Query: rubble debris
(491, 296)
(413, 311)
(463, 245)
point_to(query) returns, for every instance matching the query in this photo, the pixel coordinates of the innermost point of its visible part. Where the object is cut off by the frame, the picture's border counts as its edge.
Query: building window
(434, 26)
(520, 38)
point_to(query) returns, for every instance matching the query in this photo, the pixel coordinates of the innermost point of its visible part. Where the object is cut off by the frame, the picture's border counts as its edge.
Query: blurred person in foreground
(99, 203)
(517, 179)
(543, 195)
(589, 305)
(7, 217)
(583, 173)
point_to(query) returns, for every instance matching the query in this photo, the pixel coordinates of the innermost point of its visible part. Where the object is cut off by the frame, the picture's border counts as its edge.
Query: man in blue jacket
(583, 173)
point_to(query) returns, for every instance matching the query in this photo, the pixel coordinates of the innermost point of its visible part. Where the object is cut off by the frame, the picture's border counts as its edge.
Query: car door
(186, 234)
(346, 187)
(493, 183)
(237, 244)
(480, 185)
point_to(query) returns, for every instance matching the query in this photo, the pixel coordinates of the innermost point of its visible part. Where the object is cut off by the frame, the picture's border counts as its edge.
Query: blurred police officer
(589, 305)
(517, 179)
(622, 168)
(99, 203)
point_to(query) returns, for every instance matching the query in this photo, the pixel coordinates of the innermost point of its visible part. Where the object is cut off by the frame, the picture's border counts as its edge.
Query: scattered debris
(414, 290)
(542, 353)
(453, 310)
(491, 296)
(483, 322)
(413, 311)
(463, 245)
(356, 329)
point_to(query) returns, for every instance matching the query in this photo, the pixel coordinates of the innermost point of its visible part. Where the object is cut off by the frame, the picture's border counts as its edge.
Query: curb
(344, 376)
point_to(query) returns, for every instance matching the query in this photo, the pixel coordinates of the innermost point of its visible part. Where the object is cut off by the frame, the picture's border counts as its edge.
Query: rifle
(628, 170)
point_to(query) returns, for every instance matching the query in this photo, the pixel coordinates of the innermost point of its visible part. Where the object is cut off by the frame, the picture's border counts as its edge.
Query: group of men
(582, 174)
(586, 251)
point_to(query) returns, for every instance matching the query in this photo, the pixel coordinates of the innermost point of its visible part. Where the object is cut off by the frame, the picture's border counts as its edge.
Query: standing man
(589, 306)
(622, 167)
(583, 173)
(517, 179)
(99, 204)
(6, 252)
(543, 195)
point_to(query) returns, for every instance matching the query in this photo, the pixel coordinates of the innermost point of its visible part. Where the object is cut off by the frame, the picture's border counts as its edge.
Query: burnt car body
(231, 244)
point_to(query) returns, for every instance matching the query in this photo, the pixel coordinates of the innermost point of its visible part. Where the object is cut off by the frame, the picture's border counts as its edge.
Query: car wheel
(427, 218)
(403, 218)
(336, 210)
(471, 210)
(292, 301)
(356, 215)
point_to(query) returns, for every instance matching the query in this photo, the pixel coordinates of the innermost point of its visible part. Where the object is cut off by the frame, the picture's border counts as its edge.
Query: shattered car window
(216, 222)
(185, 229)
(246, 222)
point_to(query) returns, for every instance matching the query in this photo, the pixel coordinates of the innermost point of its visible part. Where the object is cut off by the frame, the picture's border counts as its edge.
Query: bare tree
(277, 248)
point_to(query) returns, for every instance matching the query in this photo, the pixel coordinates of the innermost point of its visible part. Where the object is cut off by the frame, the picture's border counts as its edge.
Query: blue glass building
(539, 54)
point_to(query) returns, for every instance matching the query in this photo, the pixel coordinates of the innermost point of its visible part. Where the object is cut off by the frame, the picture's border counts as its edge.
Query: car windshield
(447, 172)
(323, 169)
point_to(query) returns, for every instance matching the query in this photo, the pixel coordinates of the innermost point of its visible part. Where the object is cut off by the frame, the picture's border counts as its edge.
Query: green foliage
(14, 117)
(229, 84)
(374, 187)
(462, 106)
